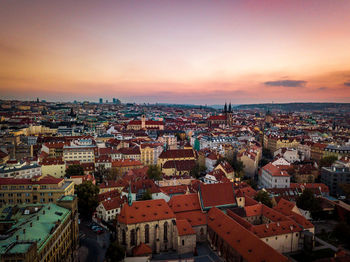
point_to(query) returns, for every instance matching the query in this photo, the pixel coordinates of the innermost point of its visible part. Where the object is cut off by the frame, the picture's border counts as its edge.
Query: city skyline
(183, 52)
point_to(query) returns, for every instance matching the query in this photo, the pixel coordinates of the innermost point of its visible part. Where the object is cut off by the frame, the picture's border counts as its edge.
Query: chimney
(278, 224)
(31, 224)
(24, 230)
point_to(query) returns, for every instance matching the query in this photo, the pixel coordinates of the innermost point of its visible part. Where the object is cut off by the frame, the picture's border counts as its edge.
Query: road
(93, 247)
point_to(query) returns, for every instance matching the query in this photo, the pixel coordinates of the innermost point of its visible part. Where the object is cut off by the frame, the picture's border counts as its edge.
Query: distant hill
(298, 106)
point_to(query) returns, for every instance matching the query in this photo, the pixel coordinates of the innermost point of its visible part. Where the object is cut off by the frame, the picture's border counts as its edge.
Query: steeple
(129, 196)
(230, 108)
(225, 108)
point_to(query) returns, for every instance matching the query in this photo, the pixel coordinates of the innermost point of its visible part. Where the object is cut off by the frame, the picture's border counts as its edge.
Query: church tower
(228, 114)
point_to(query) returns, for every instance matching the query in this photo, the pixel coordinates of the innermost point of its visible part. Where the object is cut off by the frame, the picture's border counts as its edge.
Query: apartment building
(39, 232)
(273, 177)
(82, 150)
(43, 189)
(20, 170)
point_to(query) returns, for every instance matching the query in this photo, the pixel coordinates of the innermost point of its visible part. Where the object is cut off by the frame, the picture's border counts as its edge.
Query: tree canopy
(154, 172)
(327, 161)
(197, 170)
(74, 170)
(308, 201)
(87, 194)
(264, 198)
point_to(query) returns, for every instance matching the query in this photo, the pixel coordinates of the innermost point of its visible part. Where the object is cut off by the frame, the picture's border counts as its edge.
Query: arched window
(147, 234)
(123, 237)
(166, 231)
(132, 237)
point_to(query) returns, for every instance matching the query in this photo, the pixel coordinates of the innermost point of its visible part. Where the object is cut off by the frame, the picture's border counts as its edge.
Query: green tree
(197, 170)
(238, 167)
(327, 161)
(147, 195)
(264, 198)
(308, 201)
(263, 162)
(115, 252)
(113, 174)
(252, 183)
(74, 170)
(266, 153)
(154, 172)
(87, 194)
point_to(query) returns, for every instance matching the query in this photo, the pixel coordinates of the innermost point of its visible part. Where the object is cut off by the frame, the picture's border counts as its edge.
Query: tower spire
(225, 108)
(129, 195)
(229, 108)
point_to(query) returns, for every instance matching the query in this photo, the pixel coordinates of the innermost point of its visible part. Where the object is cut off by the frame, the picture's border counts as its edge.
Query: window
(147, 234)
(166, 231)
(132, 237)
(183, 242)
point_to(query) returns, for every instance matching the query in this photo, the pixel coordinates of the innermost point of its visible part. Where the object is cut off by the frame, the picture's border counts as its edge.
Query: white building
(82, 150)
(289, 154)
(273, 177)
(20, 170)
(108, 209)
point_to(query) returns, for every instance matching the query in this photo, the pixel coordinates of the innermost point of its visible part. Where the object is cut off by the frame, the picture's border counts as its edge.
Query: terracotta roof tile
(244, 242)
(184, 228)
(144, 211)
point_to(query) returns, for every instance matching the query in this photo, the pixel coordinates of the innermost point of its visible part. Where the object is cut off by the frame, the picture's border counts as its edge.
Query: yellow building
(125, 165)
(44, 189)
(55, 167)
(150, 153)
(274, 143)
(176, 154)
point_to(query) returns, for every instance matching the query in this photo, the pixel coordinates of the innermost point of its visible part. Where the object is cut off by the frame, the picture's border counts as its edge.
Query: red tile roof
(182, 203)
(244, 242)
(177, 153)
(144, 211)
(195, 218)
(113, 203)
(274, 171)
(141, 250)
(180, 165)
(217, 195)
(111, 194)
(184, 228)
(221, 117)
(126, 162)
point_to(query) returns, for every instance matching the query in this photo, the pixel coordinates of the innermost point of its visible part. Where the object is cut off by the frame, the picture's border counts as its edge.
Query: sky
(178, 51)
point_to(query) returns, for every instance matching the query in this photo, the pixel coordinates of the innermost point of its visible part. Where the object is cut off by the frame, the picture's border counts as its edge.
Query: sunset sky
(200, 52)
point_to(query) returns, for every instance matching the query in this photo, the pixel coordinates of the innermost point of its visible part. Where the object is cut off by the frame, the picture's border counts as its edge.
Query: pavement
(205, 254)
(93, 247)
(324, 245)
